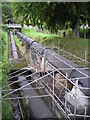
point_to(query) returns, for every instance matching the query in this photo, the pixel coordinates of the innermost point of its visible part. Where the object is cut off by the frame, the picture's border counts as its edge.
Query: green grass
(10, 53)
(71, 45)
(18, 43)
(75, 46)
(5, 112)
(20, 65)
(23, 63)
(41, 37)
(6, 50)
(3, 52)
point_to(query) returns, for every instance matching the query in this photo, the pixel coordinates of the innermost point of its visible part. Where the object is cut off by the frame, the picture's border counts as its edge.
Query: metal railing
(58, 100)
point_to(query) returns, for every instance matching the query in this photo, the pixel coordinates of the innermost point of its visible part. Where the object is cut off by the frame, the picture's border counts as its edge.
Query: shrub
(82, 33)
(4, 27)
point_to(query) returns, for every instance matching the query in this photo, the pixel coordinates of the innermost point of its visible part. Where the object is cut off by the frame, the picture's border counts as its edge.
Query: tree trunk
(69, 32)
(84, 34)
(76, 27)
(75, 32)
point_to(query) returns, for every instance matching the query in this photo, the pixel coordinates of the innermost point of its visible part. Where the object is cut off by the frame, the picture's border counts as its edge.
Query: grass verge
(5, 112)
(76, 46)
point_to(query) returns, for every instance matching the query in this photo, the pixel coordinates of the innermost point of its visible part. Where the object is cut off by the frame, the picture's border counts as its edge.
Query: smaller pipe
(14, 50)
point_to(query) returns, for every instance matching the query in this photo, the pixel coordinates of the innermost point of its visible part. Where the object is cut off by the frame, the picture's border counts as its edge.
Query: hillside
(71, 45)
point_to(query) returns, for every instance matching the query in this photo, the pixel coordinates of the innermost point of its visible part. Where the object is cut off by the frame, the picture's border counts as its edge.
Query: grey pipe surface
(37, 107)
(13, 46)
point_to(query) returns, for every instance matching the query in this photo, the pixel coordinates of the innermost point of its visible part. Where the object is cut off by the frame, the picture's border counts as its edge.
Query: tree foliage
(7, 12)
(52, 15)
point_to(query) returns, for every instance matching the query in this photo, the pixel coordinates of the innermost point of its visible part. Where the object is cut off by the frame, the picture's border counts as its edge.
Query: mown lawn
(71, 45)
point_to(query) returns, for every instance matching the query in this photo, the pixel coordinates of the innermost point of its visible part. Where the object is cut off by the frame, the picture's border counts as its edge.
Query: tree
(7, 12)
(52, 15)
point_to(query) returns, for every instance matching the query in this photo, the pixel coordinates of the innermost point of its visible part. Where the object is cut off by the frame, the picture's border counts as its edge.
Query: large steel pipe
(38, 109)
(13, 46)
